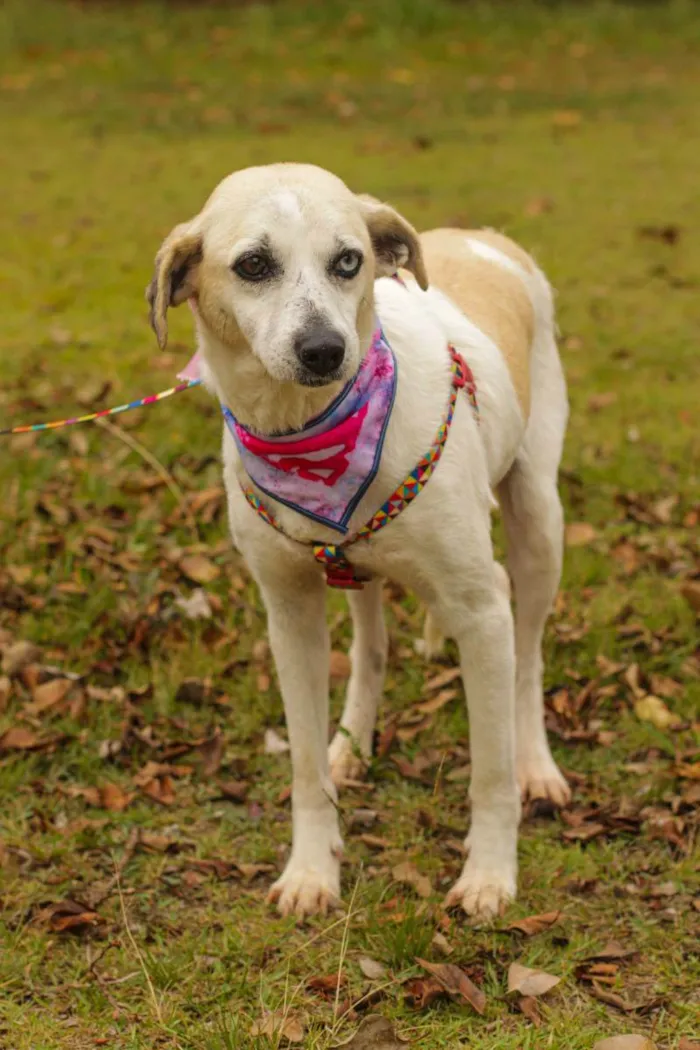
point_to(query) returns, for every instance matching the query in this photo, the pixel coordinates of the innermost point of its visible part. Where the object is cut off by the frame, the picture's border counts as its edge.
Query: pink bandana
(324, 469)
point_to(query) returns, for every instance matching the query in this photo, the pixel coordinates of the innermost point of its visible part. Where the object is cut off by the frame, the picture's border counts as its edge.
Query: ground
(145, 806)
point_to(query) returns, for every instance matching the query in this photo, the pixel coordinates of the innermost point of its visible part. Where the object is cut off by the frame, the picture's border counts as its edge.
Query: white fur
(440, 547)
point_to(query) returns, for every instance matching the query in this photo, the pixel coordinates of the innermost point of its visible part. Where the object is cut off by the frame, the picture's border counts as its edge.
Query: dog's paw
(482, 893)
(302, 890)
(344, 760)
(540, 779)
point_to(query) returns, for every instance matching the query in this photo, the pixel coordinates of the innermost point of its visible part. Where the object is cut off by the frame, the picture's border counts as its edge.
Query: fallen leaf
(374, 1033)
(422, 992)
(528, 1006)
(566, 119)
(5, 690)
(199, 568)
(579, 533)
(625, 1042)
(195, 606)
(584, 832)
(688, 1044)
(211, 752)
(274, 744)
(691, 592)
(327, 985)
(48, 695)
(19, 739)
(539, 206)
(233, 790)
(113, 797)
(444, 678)
(276, 1026)
(603, 400)
(456, 983)
(435, 703)
(612, 950)
(653, 709)
(339, 665)
(535, 923)
(407, 874)
(68, 916)
(17, 656)
(530, 982)
(372, 969)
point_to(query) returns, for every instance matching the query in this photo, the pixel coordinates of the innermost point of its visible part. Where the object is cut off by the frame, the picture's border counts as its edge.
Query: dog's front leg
(351, 748)
(481, 623)
(299, 639)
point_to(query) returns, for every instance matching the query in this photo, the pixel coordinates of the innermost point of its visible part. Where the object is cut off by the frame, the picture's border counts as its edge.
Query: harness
(339, 572)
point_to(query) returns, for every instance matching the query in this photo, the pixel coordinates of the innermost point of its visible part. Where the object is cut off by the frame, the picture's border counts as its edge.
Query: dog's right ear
(174, 277)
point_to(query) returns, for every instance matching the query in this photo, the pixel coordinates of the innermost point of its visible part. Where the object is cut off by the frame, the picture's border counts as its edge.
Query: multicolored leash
(29, 428)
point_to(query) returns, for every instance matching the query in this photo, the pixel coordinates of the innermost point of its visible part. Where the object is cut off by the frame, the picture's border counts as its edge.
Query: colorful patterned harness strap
(339, 572)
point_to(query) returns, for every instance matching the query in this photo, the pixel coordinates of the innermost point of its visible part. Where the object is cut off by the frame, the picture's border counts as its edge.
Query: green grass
(571, 126)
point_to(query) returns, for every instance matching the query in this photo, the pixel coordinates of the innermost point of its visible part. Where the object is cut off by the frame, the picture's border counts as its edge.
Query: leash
(57, 424)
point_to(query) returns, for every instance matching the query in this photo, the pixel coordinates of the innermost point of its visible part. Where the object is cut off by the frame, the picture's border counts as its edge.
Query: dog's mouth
(310, 379)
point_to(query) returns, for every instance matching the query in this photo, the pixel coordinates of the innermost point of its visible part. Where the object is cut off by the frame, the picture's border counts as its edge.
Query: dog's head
(281, 261)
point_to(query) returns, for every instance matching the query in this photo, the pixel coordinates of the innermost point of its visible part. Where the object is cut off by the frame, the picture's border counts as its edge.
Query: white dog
(288, 273)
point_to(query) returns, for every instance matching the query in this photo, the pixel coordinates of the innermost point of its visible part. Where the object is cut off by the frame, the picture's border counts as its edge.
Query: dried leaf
(326, 985)
(274, 744)
(233, 790)
(17, 656)
(530, 982)
(5, 690)
(579, 534)
(535, 923)
(435, 703)
(444, 678)
(211, 752)
(48, 695)
(625, 1042)
(653, 709)
(372, 969)
(528, 1006)
(339, 665)
(691, 592)
(422, 992)
(195, 606)
(19, 739)
(279, 1025)
(612, 950)
(566, 119)
(374, 1033)
(456, 983)
(408, 874)
(114, 798)
(199, 568)
(68, 916)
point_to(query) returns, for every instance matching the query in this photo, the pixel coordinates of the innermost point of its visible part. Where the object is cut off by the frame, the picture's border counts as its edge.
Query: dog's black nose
(321, 350)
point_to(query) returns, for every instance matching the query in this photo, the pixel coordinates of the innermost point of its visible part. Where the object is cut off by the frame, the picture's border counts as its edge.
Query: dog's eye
(348, 264)
(253, 267)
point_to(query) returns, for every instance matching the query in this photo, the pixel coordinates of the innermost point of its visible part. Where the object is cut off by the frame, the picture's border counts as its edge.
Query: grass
(571, 126)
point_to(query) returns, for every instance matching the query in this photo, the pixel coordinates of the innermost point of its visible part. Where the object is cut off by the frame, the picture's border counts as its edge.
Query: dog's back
(487, 275)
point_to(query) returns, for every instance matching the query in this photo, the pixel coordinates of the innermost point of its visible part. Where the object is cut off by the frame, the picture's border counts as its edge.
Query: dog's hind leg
(351, 747)
(434, 638)
(533, 519)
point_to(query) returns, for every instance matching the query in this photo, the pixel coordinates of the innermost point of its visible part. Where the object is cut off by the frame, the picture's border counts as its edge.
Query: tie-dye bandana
(324, 469)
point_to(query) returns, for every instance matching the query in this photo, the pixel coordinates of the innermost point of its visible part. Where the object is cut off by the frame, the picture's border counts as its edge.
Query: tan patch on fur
(492, 297)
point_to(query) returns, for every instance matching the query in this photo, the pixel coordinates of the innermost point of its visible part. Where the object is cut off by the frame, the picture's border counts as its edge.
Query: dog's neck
(260, 403)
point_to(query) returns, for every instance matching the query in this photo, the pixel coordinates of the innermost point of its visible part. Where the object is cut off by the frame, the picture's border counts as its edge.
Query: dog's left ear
(395, 242)
(174, 276)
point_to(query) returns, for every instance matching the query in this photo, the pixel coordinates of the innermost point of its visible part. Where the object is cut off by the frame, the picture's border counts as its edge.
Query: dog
(296, 283)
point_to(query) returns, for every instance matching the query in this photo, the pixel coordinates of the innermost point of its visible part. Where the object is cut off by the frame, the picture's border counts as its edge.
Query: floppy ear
(395, 242)
(174, 276)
